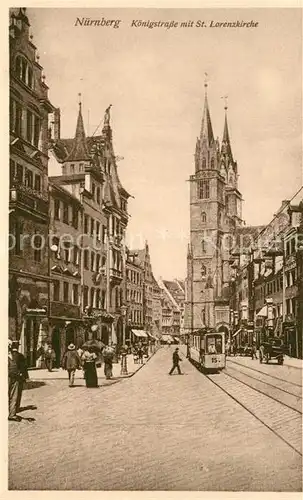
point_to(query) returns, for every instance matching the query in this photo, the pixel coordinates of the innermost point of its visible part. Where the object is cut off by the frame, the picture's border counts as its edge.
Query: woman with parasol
(89, 357)
(108, 355)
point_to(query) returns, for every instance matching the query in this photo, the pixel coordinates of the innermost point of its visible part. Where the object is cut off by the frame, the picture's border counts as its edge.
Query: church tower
(206, 227)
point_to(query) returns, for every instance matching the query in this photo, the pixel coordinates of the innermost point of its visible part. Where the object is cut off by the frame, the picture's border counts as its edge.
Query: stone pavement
(60, 374)
(148, 432)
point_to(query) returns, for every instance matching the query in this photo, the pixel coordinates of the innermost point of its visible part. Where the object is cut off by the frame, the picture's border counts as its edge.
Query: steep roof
(226, 146)
(206, 126)
(79, 150)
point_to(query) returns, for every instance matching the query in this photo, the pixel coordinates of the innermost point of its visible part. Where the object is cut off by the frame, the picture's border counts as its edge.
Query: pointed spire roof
(79, 150)
(206, 126)
(226, 147)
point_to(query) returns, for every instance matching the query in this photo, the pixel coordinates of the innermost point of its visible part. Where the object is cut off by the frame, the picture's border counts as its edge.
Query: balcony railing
(29, 198)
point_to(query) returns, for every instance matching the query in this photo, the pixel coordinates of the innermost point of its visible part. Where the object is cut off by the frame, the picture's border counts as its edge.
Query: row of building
(243, 280)
(69, 266)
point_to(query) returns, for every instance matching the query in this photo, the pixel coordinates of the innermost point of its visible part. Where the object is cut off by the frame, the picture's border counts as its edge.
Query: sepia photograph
(155, 249)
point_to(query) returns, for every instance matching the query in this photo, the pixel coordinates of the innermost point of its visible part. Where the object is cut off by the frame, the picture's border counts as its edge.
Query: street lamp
(124, 350)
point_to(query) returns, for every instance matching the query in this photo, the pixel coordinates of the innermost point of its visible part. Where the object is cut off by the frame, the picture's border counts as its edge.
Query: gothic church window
(212, 163)
(203, 189)
(204, 163)
(203, 217)
(203, 271)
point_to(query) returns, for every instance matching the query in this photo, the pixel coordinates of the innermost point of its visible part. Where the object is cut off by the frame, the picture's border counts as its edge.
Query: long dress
(90, 371)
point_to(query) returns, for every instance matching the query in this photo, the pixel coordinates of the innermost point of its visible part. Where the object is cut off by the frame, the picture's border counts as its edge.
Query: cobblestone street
(149, 432)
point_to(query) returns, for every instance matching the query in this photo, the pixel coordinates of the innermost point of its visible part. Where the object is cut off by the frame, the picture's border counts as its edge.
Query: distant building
(134, 296)
(28, 199)
(173, 297)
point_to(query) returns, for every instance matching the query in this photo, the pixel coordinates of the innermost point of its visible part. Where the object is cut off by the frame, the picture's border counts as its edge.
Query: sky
(154, 79)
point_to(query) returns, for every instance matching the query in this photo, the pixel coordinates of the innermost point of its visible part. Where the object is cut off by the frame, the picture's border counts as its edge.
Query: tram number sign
(214, 360)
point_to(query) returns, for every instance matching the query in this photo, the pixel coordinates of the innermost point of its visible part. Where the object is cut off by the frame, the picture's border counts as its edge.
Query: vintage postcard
(155, 250)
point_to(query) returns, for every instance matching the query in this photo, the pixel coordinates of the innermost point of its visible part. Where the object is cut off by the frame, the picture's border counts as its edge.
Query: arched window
(203, 217)
(204, 163)
(203, 270)
(24, 71)
(212, 163)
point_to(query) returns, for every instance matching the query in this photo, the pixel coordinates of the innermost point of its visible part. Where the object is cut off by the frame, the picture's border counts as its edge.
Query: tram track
(281, 419)
(237, 363)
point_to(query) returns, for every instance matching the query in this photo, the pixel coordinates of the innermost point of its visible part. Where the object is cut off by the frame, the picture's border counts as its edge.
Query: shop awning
(237, 332)
(262, 312)
(140, 333)
(167, 338)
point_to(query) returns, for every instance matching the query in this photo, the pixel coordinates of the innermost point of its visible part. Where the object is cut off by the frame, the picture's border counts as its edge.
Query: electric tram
(207, 349)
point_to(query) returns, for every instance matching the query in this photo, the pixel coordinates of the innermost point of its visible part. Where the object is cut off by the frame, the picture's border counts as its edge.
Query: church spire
(79, 150)
(206, 133)
(226, 147)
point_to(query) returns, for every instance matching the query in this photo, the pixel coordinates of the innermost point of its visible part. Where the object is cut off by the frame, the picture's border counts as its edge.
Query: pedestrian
(108, 355)
(71, 362)
(49, 358)
(176, 360)
(261, 353)
(140, 353)
(17, 375)
(254, 351)
(89, 366)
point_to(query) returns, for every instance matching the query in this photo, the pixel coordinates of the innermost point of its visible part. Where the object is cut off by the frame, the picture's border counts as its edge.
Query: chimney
(57, 124)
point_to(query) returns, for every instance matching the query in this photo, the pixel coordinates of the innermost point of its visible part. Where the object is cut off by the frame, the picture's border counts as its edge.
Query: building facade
(29, 284)
(89, 173)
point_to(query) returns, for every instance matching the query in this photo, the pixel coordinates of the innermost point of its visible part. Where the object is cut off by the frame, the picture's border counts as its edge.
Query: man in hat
(17, 375)
(176, 360)
(71, 362)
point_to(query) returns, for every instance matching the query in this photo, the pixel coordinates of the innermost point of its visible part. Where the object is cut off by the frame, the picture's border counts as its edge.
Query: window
(103, 233)
(92, 261)
(103, 299)
(98, 230)
(93, 191)
(19, 238)
(278, 285)
(204, 163)
(29, 126)
(98, 298)
(76, 295)
(65, 213)
(85, 224)
(212, 163)
(24, 71)
(76, 255)
(85, 296)
(19, 173)
(75, 217)
(12, 169)
(28, 178)
(287, 247)
(65, 291)
(292, 245)
(288, 306)
(98, 196)
(72, 168)
(86, 258)
(293, 276)
(57, 209)
(203, 217)
(274, 286)
(98, 257)
(56, 291)
(203, 244)
(15, 117)
(92, 297)
(203, 189)
(92, 227)
(117, 298)
(66, 253)
(37, 182)
(281, 282)
(37, 244)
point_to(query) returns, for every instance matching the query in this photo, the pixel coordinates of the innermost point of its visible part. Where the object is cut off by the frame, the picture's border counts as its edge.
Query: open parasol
(93, 344)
